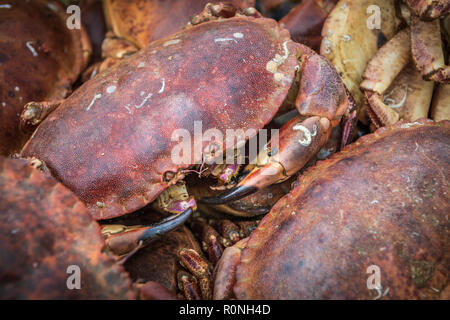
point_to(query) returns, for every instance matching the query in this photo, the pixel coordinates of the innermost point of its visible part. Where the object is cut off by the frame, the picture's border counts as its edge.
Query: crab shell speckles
(44, 230)
(114, 148)
(39, 60)
(143, 21)
(383, 201)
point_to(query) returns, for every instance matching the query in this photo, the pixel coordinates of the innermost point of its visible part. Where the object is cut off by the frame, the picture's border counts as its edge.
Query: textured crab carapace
(47, 235)
(39, 60)
(381, 202)
(117, 156)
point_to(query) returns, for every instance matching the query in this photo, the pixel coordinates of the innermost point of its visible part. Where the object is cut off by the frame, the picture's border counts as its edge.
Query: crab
(381, 203)
(39, 60)
(112, 141)
(399, 80)
(305, 21)
(46, 233)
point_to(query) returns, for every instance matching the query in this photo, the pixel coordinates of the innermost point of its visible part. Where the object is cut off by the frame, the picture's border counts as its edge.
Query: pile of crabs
(348, 200)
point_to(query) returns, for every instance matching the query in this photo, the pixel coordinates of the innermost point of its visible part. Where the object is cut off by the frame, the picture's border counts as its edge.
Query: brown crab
(399, 80)
(45, 230)
(39, 60)
(382, 202)
(349, 44)
(118, 155)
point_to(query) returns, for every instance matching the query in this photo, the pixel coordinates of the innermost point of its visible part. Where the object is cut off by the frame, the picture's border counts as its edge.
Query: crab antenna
(230, 195)
(157, 230)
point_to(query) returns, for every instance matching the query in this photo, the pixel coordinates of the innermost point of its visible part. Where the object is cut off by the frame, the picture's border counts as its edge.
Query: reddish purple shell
(44, 229)
(382, 201)
(110, 142)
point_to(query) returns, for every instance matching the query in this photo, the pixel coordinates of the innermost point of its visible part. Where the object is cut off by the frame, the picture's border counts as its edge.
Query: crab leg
(35, 112)
(440, 109)
(122, 239)
(427, 50)
(299, 142)
(322, 101)
(228, 230)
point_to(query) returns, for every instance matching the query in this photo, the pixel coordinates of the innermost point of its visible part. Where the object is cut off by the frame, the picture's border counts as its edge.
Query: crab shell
(159, 260)
(111, 141)
(39, 60)
(143, 21)
(305, 21)
(348, 43)
(45, 229)
(94, 21)
(383, 201)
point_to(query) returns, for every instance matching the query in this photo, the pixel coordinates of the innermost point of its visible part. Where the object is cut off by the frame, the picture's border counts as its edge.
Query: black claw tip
(169, 224)
(230, 195)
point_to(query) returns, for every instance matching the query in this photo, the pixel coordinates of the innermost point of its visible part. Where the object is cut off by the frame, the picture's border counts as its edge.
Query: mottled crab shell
(44, 229)
(110, 142)
(143, 21)
(383, 201)
(159, 260)
(39, 60)
(349, 44)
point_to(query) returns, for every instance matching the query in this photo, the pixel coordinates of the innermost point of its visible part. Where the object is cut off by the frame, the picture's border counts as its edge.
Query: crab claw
(299, 141)
(122, 240)
(35, 112)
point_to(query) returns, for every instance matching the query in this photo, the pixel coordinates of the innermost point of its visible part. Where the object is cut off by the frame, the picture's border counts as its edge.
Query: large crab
(382, 203)
(39, 60)
(351, 37)
(136, 23)
(399, 80)
(112, 142)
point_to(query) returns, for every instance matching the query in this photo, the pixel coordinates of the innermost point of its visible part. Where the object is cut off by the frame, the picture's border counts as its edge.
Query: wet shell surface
(382, 201)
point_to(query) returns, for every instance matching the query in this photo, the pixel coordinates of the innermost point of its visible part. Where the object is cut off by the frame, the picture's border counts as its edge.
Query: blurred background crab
(39, 60)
